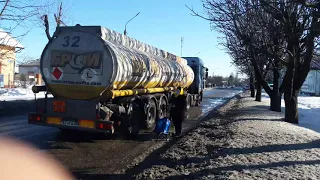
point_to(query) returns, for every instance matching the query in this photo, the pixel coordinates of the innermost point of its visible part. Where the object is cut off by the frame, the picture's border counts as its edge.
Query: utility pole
(125, 28)
(181, 45)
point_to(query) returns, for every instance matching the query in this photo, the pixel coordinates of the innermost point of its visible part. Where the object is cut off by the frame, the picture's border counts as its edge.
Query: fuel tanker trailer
(107, 82)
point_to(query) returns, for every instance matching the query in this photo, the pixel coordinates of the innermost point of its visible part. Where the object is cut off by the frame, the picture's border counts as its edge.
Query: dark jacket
(178, 108)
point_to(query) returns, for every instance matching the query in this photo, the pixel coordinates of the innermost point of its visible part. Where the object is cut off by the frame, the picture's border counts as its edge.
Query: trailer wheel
(188, 105)
(198, 100)
(151, 115)
(163, 106)
(131, 125)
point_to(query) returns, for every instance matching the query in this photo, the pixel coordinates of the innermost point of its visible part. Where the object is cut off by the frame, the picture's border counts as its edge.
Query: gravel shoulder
(241, 140)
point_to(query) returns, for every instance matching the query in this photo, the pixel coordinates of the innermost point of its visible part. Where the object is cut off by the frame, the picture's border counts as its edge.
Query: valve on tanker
(179, 91)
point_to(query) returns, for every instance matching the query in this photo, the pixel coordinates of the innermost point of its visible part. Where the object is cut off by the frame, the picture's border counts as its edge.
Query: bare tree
(57, 18)
(240, 21)
(298, 21)
(51, 20)
(281, 33)
(16, 16)
(240, 60)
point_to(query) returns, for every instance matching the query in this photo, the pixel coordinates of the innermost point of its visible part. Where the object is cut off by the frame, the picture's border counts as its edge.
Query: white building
(31, 70)
(312, 82)
(8, 49)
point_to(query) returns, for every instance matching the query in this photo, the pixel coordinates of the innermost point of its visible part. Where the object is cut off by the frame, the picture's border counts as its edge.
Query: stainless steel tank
(81, 62)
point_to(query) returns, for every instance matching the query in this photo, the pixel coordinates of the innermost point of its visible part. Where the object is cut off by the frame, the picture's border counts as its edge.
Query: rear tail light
(105, 126)
(35, 117)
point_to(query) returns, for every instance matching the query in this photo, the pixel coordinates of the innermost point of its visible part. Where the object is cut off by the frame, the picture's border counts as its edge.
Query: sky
(161, 23)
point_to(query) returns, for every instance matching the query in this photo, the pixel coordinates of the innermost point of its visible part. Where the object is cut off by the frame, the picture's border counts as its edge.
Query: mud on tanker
(104, 81)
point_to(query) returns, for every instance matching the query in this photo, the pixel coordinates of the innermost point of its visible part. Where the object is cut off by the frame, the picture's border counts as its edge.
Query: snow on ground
(309, 111)
(7, 94)
(2, 91)
(11, 94)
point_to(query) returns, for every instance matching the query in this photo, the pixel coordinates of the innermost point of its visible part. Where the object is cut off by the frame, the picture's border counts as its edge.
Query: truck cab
(200, 75)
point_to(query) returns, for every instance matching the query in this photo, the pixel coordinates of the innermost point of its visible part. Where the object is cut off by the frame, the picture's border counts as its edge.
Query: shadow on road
(222, 170)
(84, 137)
(84, 176)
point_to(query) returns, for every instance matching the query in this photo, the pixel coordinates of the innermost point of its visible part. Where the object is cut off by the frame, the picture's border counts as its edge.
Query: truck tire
(188, 105)
(131, 125)
(197, 101)
(151, 115)
(163, 106)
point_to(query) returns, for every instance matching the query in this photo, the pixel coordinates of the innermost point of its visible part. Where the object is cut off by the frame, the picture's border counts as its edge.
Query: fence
(6, 81)
(10, 81)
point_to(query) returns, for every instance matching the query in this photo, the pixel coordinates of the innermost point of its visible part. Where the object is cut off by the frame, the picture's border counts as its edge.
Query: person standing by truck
(178, 110)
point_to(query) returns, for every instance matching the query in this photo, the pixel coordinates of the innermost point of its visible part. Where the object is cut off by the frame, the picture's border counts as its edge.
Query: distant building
(8, 48)
(312, 82)
(30, 70)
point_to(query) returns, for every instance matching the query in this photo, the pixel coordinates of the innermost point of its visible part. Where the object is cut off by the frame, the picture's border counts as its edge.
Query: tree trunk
(252, 91)
(275, 102)
(290, 94)
(275, 99)
(252, 85)
(258, 94)
(291, 114)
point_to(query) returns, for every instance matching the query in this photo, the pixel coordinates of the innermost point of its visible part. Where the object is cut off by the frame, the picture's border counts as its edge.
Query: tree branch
(197, 14)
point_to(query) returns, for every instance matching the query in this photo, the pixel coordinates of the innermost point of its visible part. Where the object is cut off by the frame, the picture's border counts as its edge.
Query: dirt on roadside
(241, 140)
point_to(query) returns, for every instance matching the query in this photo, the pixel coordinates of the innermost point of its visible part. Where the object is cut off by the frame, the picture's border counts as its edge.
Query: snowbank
(309, 111)
(2, 91)
(18, 94)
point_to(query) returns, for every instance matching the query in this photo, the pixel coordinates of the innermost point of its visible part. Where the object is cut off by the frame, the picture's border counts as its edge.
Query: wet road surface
(87, 153)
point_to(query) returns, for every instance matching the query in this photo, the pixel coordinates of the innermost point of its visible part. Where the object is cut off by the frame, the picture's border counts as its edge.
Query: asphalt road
(87, 153)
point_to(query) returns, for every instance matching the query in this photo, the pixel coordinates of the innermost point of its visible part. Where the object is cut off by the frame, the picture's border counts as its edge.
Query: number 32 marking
(76, 40)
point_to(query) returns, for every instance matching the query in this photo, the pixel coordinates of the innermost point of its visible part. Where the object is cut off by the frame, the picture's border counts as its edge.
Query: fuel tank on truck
(84, 62)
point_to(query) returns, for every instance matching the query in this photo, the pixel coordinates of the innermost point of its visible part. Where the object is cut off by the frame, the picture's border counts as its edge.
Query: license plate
(59, 106)
(70, 123)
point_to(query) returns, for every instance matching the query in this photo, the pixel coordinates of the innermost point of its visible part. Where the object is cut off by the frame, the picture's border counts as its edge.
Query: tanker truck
(103, 81)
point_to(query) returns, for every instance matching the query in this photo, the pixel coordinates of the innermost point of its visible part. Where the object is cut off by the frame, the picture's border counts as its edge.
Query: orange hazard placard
(59, 106)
